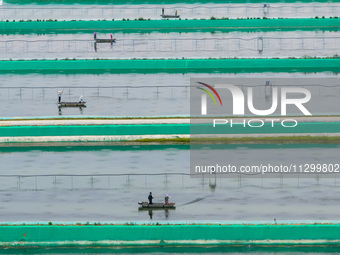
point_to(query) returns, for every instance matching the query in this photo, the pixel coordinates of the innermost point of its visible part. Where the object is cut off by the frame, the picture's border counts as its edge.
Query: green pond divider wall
(98, 130)
(147, 26)
(237, 249)
(171, 66)
(163, 129)
(113, 2)
(167, 235)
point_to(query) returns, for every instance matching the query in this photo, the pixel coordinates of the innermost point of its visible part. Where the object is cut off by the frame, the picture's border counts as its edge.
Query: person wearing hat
(166, 199)
(81, 99)
(59, 96)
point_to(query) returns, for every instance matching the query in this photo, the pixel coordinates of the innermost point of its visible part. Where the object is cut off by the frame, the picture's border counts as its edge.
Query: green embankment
(164, 129)
(147, 26)
(99, 130)
(234, 249)
(110, 2)
(168, 235)
(171, 66)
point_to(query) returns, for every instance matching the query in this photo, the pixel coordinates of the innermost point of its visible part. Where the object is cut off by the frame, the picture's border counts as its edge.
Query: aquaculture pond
(122, 95)
(88, 183)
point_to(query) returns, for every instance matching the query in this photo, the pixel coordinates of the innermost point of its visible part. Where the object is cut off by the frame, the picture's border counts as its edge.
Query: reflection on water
(158, 212)
(212, 183)
(81, 110)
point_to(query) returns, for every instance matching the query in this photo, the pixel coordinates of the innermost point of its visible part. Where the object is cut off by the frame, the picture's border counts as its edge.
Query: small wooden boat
(157, 205)
(170, 16)
(72, 104)
(105, 40)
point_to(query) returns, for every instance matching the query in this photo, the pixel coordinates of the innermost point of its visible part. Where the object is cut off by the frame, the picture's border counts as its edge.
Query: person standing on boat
(95, 35)
(81, 99)
(162, 11)
(150, 197)
(111, 40)
(176, 13)
(166, 199)
(59, 96)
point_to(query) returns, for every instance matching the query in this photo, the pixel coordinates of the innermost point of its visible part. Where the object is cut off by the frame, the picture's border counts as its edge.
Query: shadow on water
(195, 200)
